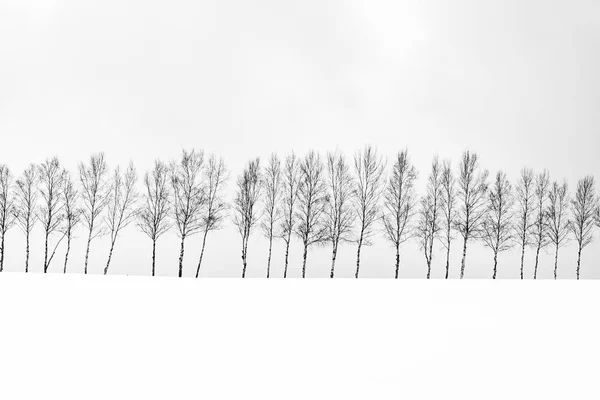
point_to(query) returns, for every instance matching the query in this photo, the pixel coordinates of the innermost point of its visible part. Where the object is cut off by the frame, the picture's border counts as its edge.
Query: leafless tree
(540, 223)
(122, 205)
(7, 208)
(339, 213)
(312, 201)
(26, 204)
(472, 189)
(449, 209)
(291, 184)
(72, 213)
(155, 210)
(526, 206)
(215, 179)
(94, 194)
(51, 210)
(189, 197)
(245, 205)
(497, 223)
(430, 225)
(558, 218)
(273, 189)
(399, 204)
(583, 207)
(369, 168)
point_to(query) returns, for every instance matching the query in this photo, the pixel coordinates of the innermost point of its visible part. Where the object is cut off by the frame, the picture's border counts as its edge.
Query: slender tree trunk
(522, 258)
(430, 259)
(360, 241)
(333, 257)
(287, 253)
(495, 264)
(448, 259)
(244, 256)
(397, 260)
(304, 260)
(67, 253)
(201, 252)
(464, 259)
(46, 253)
(87, 252)
(27, 253)
(153, 256)
(2, 252)
(110, 253)
(181, 252)
(537, 258)
(556, 263)
(578, 261)
(269, 259)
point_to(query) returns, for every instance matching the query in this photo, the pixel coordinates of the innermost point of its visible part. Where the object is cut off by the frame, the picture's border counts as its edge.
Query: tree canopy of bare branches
(539, 229)
(429, 225)
(189, 197)
(312, 202)
(155, 209)
(525, 199)
(122, 205)
(369, 168)
(215, 179)
(449, 209)
(249, 187)
(7, 208)
(339, 213)
(72, 213)
(558, 218)
(94, 192)
(472, 189)
(497, 223)
(272, 211)
(399, 204)
(583, 207)
(51, 211)
(26, 204)
(290, 186)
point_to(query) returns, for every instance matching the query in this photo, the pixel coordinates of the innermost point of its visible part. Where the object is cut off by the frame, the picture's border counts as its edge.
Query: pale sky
(515, 81)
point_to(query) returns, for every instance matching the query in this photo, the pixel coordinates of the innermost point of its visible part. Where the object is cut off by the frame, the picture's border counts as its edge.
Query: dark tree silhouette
(155, 210)
(430, 225)
(497, 232)
(558, 219)
(189, 197)
(272, 211)
(26, 204)
(246, 216)
(312, 202)
(583, 207)
(449, 209)
(368, 168)
(7, 208)
(94, 191)
(339, 213)
(291, 183)
(525, 199)
(472, 189)
(399, 204)
(72, 213)
(122, 206)
(51, 210)
(215, 179)
(539, 230)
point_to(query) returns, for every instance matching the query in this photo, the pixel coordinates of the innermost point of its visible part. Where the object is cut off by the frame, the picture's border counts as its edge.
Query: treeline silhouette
(319, 200)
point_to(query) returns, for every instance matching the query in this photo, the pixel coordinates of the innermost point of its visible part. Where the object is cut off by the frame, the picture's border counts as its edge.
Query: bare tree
(583, 207)
(312, 201)
(449, 209)
(7, 208)
(26, 203)
(497, 223)
(339, 213)
(291, 184)
(472, 189)
(558, 218)
(215, 178)
(72, 213)
(399, 204)
(51, 210)
(154, 213)
(540, 224)
(246, 202)
(368, 168)
(94, 191)
(122, 205)
(429, 225)
(272, 185)
(189, 197)
(526, 205)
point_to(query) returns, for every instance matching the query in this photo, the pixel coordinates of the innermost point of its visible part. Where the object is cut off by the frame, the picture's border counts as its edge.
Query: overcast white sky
(516, 81)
